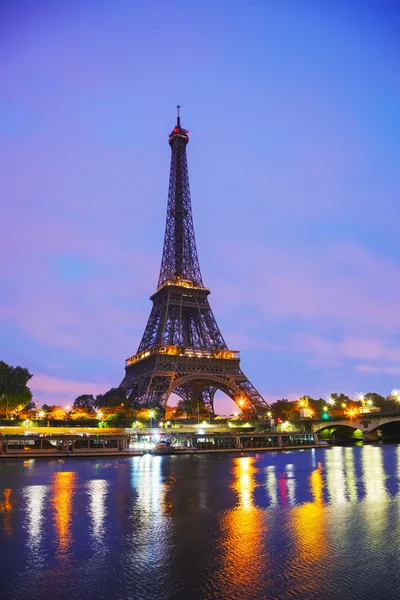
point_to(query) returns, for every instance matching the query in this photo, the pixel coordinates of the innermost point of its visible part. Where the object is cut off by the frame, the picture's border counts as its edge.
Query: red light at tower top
(178, 129)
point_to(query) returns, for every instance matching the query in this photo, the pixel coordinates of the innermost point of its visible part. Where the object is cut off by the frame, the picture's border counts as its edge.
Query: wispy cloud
(53, 390)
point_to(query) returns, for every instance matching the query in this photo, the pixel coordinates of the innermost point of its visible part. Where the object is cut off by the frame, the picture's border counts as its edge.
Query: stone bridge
(373, 426)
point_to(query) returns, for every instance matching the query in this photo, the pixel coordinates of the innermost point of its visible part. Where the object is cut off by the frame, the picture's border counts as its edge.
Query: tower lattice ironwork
(182, 350)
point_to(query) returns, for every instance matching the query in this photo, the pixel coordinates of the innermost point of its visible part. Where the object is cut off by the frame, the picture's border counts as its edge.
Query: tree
(86, 401)
(379, 401)
(80, 413)
(192, 408)
(13, 387)
(114, 397)
(283, 409)
(57, 413)
(340, 398)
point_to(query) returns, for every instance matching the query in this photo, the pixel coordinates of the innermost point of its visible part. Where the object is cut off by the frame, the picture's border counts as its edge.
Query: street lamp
(396, 395)
(151, 415)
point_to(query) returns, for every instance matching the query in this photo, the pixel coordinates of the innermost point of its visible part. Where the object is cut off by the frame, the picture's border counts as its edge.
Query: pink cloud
(346, 284)
(334, 352)
(368, 369)
(53, 390)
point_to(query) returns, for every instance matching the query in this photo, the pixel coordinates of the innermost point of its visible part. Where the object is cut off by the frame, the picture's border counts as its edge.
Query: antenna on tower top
(178, 122)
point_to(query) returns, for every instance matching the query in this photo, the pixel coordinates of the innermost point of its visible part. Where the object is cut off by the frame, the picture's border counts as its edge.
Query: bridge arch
(339, 431)
(389, 430)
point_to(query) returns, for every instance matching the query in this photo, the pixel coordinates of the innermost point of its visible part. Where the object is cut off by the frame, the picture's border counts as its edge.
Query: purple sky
(293, 113)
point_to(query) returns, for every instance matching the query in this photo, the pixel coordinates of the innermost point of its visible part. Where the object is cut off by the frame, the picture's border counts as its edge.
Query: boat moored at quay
(136, 444)
(63, 445)
(228, 442)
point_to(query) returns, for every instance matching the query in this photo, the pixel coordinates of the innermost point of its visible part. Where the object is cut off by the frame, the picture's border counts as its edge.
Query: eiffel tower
(182, 349)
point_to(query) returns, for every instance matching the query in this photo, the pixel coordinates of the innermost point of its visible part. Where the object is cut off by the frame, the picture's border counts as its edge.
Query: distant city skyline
(292, 112)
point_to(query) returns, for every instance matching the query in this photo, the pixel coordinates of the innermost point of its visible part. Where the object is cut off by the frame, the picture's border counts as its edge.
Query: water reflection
(309, 520)
(373, 473)
(351, 477)
(63, 490)
(244, 482)
(271, 485)
(243, 530)
(97, 490)
(310, 537)
(291, 484)
(35, 496)
(147, 479)
(335, 475)
(304, 525)
(150, 537)
(6, 508)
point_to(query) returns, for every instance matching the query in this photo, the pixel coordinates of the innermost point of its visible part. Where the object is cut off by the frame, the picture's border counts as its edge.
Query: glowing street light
(240, 402)
(100, 414)
(331, 401)
(151, 415)
(41, 414)
(396, 395)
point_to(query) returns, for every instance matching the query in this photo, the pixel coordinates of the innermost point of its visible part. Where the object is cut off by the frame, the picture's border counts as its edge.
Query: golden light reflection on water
(6, 508)
(309, 527)
(244, 482)
(243, 528)
(63, 490)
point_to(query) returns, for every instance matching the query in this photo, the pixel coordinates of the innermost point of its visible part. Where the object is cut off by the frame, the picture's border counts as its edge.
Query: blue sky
(293, 114)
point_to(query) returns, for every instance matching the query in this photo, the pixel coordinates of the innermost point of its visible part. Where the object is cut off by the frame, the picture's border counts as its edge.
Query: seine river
(306, 524)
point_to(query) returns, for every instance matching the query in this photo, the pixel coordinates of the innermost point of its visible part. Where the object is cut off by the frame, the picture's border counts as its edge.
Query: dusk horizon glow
(293, 152)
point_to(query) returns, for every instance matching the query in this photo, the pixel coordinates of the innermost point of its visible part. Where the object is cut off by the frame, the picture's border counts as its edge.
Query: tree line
(16, 402)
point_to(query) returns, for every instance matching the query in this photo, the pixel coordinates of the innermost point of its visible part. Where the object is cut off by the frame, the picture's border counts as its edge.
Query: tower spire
(179, 261)
(178, 121)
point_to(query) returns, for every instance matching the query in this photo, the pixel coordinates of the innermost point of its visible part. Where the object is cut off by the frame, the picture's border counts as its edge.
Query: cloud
(345, 283)
(53, 390)
(91, 314)
(348, 347)
(378, 370)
